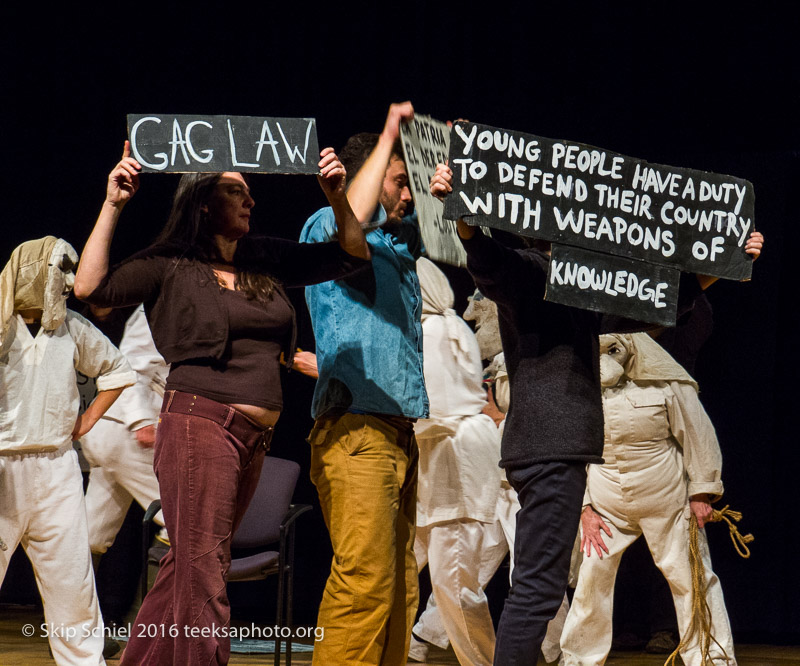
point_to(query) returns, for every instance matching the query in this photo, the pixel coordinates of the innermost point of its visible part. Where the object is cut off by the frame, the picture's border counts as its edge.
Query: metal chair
(268, 522)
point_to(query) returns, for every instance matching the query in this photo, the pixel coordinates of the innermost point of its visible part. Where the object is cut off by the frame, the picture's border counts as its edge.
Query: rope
(701, 613)
(739, 540)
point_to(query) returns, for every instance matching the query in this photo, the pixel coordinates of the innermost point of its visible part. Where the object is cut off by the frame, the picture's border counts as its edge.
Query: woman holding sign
(214, 298)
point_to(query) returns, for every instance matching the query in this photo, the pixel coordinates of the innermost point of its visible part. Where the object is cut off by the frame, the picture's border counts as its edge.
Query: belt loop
(231, 412)
(266, 437)
(171, 395)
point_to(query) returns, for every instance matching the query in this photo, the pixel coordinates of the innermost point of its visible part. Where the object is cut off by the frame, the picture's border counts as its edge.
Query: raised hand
(754, 244)
(398, 113)
(442, 181)
(332, 175)
(123, 181)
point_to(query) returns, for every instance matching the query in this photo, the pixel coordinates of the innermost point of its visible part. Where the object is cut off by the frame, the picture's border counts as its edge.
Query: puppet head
(483, 312)
(639, 358)
(615, 350)
(437, 295)
(38, 276)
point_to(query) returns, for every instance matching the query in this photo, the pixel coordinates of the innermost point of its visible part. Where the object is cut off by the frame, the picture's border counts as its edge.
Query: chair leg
(279, 611)
(289, 573)
(145, 558)
(289, 592)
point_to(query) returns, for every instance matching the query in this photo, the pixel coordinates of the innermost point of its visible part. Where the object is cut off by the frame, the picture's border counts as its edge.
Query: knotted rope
(701, 613)
(739, 540)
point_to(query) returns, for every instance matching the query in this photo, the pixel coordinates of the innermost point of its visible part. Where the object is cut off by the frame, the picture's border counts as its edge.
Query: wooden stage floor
(18, 650)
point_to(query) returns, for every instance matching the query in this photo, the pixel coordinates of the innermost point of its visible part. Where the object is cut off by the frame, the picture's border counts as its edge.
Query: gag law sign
(193, 143)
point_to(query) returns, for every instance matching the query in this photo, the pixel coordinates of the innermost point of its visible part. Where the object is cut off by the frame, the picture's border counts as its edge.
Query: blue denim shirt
(367, 326)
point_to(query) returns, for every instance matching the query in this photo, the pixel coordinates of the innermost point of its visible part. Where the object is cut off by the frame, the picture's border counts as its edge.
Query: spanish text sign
(605, 283)
(188, 143)
(575, 194)
(426, 143)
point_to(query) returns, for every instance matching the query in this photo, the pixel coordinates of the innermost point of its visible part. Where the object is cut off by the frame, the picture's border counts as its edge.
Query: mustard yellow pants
(365, 471)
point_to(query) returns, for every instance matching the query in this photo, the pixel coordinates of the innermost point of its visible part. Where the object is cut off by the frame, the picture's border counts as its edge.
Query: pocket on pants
(319, 434)
(348, 430)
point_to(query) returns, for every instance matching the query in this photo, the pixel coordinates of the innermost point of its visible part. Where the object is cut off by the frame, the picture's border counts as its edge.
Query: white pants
(507, 507)
(42, 507)
(121, 471)
(463, 556)
(662, 514)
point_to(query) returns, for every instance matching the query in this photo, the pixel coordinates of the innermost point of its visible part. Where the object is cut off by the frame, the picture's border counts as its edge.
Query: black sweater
(551, 353)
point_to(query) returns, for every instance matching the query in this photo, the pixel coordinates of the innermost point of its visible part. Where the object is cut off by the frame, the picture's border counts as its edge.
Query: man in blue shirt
(369, 393)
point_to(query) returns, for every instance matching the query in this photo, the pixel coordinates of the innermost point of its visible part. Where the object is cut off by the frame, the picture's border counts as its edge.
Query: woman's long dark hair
(190, 228)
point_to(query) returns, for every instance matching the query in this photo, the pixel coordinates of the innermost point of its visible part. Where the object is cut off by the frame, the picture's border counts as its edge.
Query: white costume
(41, 488)
(459, 481)
(660, 449)
(122, 470)
(507, 502)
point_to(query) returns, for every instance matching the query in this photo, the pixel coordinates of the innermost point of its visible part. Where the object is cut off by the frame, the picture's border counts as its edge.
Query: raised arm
(123, 182)
(332, 179)
(366, 185)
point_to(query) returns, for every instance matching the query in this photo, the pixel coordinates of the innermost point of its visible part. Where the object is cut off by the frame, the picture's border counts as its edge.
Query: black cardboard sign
(574, 194)
(605, 283)
(426, 143)
(164, 143)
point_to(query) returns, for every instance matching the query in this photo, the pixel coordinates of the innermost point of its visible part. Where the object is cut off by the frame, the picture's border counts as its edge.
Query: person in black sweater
(554, 425)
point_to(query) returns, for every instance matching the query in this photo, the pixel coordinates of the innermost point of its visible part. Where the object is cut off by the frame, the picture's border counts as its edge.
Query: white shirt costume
(40, 398)
(41, 488)
(458, 487)
(122, 470)
(660, 448)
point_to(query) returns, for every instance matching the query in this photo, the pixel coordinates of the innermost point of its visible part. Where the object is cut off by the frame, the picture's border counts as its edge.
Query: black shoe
(110, 647)
(662, 642)
(627, 641)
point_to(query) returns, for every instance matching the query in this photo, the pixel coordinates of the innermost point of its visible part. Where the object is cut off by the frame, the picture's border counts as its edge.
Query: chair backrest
(262, 520)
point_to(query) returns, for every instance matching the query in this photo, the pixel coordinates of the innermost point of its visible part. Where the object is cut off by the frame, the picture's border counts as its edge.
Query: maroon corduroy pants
(208, 460)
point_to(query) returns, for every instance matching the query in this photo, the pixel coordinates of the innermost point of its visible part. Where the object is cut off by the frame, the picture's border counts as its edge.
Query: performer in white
(459, 483)
(662, 463)
(483, 312)
(120, 447)
(42, 344)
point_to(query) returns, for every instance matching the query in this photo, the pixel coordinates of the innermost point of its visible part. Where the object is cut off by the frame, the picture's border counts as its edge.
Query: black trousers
(550, 496)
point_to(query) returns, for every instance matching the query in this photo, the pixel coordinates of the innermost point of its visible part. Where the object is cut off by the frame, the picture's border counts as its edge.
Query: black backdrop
(711, 87)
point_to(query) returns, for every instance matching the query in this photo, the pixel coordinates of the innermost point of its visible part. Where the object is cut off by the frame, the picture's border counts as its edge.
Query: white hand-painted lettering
(176, 141)
(234, 159)
(209, 153)
(271, 142)
(294, 151)
(135, 146)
